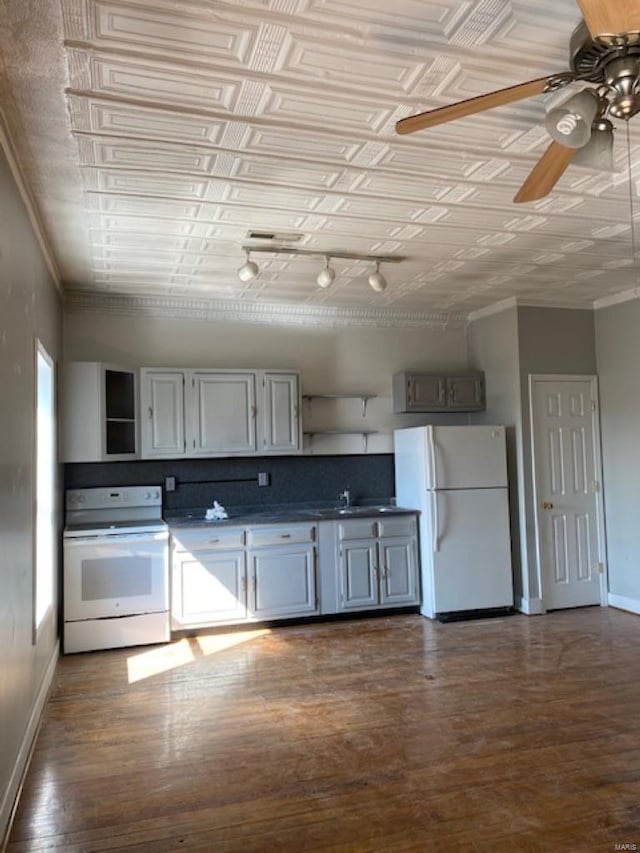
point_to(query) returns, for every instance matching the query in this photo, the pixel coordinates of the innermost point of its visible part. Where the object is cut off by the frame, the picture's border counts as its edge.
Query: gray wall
(493, 347)
(550, 340)
(509, 347)
(29, 307)
(618, 353)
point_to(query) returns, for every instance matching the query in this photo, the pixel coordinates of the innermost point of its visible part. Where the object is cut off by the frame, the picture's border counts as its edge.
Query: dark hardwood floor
(516, 734)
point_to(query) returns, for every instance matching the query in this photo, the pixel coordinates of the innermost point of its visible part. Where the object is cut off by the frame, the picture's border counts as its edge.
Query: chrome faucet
(344, 499)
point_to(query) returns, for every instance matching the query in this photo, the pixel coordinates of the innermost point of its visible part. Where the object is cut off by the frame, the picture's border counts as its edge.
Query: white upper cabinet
(98, 412)
(280, 413)
(219, 412)
(162, 413)
(223, 412)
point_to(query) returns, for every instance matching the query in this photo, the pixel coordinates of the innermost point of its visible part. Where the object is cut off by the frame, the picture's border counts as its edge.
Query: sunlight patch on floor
(174, 655)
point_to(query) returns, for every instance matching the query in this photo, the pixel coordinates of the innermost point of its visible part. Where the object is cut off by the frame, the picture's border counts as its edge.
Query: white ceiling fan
(605, 53)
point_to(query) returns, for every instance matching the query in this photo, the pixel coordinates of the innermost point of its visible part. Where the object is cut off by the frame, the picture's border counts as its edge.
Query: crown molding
(617, 298)
(218, 310)
(516, 302)
(9, 148)
(495, 308)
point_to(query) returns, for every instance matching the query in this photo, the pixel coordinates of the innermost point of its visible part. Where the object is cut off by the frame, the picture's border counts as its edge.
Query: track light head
(570, 123)
(327, 274)
(377, 281)
(249, 269)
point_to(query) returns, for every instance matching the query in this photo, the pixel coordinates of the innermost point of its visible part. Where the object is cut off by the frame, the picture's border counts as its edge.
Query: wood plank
(393, 733)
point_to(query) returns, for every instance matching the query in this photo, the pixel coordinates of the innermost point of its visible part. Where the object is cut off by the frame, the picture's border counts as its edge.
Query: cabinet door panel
(425, 392)
(398, 583)
(224, 413)
(465, 392)
(359, 582)
(208, 588)
(163, 413)
(280, 417)
(283, 582)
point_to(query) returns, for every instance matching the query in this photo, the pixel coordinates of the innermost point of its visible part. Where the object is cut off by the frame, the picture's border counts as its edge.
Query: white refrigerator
(457, 477)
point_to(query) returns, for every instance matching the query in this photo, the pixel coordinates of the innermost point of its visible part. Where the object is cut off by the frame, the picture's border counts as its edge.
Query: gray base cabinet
(226, 575)
(377, 563)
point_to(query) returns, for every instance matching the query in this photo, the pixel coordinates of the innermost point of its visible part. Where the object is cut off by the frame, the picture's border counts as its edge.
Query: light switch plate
(263, 478)
(169, 484)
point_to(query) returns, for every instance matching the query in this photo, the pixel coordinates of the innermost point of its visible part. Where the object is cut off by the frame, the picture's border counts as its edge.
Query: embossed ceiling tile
(108, 222)
(160, 208)
(260, 218)
(138, 154)
(160, 27)
(426, 160)
(344, 113)
(399, 186)
(155, 81)
(301, 174)
(390, 211)
(380, 18)
(321, 147)
(103, 117)
(149, 184)
(273, 197)
(356, 65)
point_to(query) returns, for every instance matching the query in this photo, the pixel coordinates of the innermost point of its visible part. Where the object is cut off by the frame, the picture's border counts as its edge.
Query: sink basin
(362, 510)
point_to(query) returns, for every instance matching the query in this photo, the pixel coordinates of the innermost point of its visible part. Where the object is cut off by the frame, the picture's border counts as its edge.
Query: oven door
(116, 575)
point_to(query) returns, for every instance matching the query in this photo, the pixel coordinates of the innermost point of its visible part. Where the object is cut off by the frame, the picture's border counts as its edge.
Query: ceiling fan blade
(546, 173)
(610, 17)
(472, 105)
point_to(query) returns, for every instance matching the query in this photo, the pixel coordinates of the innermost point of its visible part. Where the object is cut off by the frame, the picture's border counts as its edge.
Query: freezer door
(471, 561)
(466, 457)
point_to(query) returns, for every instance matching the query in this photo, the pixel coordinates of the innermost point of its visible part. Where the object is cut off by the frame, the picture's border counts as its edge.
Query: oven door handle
(120, 538)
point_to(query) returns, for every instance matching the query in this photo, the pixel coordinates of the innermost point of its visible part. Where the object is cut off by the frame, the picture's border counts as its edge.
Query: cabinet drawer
(199, 539)
(357, 528)
(280, 535)
(399, 525)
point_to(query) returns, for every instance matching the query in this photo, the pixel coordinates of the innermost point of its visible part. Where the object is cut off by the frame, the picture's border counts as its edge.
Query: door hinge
(600, 568)
(595, 486)
(594, 406)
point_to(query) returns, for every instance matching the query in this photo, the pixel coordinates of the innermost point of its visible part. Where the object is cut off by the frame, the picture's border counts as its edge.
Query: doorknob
(547, 505)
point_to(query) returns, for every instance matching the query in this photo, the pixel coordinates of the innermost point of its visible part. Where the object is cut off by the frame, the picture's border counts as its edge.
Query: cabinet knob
(150, 412)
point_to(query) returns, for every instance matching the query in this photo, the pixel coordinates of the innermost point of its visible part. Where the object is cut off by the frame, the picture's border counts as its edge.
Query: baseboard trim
(530, 606)
(14, 788)
(624, 603)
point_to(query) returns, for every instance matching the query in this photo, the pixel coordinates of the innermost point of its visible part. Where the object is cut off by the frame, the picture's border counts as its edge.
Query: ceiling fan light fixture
(570, 123)
(377, 281)
(598, 152)
(327, 274)
(249, 269)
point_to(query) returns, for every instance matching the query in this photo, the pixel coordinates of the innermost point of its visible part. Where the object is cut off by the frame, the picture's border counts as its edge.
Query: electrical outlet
(169, 484)
(263, 478)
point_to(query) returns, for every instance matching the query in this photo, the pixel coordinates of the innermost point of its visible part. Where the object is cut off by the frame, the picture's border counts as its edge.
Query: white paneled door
(568, 489)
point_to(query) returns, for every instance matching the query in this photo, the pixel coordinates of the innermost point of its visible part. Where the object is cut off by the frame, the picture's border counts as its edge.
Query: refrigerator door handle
(434, 460)
(435, 522)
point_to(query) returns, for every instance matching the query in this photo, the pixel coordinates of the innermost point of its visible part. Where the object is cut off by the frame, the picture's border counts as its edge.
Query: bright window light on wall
(44, 523)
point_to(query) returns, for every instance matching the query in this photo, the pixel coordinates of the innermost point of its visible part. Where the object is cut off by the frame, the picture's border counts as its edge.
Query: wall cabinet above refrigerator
(416, 391)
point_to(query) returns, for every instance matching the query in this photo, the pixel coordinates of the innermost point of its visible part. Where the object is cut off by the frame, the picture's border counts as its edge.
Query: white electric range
(116, 568)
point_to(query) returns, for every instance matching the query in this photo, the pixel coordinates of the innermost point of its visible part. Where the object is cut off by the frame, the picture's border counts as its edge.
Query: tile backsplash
(234, 481)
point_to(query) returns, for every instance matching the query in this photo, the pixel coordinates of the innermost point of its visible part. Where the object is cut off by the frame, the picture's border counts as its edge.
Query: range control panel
(121, 497)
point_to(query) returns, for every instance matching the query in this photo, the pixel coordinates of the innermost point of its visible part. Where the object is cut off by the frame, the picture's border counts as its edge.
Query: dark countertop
(281, 514)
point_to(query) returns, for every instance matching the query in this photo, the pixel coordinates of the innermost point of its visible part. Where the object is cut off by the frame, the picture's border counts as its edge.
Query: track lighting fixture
(249, 269)
(326, 275)
(377, 281)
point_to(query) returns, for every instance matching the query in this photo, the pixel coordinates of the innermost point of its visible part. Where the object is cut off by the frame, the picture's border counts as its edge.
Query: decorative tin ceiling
(154, 134)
